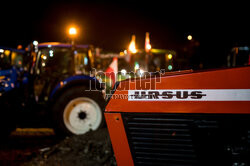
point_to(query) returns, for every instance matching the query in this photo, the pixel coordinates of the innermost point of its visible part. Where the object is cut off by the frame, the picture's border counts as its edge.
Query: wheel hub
(82, 115)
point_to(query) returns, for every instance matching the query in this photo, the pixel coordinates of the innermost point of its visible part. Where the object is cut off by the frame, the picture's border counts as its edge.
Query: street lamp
(72, 33)
(190, 37)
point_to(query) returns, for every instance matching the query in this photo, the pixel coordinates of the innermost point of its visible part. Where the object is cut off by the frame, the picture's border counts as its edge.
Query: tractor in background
(59, 91)
(12, 76)
(12, 64)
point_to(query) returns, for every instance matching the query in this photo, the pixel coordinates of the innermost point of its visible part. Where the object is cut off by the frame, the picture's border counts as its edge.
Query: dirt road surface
(41, 147)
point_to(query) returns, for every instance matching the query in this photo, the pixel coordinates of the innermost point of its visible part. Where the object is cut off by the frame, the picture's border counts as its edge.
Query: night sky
(109, 25)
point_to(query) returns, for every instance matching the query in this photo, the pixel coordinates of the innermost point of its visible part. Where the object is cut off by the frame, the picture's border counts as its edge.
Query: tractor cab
(12, 65)
(59, 58)
(238, 56)
(154, 60)
(55, 62)
(10, 57)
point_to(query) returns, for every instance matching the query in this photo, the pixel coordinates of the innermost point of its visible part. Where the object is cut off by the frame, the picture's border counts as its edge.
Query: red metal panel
(119, 139)
(236, 78)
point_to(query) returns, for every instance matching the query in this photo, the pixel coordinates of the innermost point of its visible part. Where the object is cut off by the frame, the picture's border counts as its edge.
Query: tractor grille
(185, 139)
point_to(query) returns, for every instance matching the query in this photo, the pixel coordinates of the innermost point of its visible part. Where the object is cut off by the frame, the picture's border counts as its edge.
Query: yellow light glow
(7, 52)
(170, 56)
(190, 37)
(44, 57)
(132, 47)
(122, 54)
(72, 31)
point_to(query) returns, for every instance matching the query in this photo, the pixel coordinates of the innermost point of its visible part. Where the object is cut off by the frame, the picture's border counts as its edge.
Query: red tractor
(182, 118)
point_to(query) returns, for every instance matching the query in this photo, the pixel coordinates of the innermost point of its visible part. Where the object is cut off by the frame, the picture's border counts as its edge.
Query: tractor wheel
(78, 111)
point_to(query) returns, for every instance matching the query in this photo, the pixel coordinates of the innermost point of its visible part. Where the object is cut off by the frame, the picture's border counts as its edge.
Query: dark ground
(42, 147)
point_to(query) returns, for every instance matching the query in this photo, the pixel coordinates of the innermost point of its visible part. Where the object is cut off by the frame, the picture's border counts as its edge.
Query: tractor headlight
(123, 72)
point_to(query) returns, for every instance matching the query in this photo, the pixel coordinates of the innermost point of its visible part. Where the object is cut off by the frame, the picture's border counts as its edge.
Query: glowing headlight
(124, 72)
(140, 72)
(35, 43)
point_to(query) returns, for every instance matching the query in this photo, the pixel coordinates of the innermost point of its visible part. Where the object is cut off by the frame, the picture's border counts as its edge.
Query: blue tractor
(11, 64)
(12, 69)
(59, 90)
